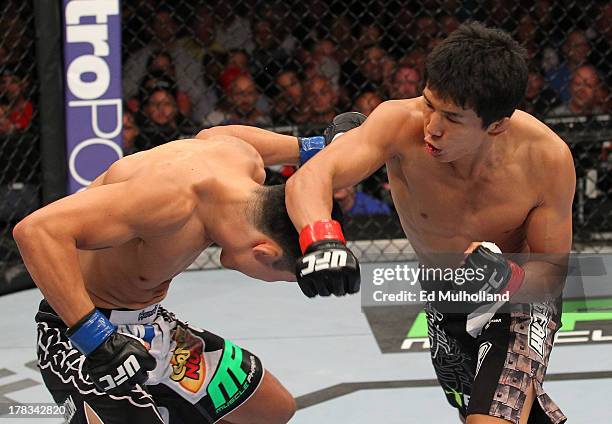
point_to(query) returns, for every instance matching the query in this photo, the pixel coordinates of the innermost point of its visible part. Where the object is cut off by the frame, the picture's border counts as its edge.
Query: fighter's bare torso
(138, 272)
(442, 213)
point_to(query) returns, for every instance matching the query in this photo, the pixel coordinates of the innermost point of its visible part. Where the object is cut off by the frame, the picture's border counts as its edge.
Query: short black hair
(479, 68)
(270, 216)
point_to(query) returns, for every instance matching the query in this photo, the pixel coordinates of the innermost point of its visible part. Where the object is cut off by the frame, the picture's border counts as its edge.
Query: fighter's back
(190, 177)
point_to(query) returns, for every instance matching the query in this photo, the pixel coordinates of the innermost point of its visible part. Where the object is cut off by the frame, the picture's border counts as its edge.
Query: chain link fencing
(20, 181)
(290, 66)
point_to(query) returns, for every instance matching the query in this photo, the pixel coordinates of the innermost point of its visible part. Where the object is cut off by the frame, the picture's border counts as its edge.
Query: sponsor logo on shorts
(483, 349)
(230, 381)
(538, 328)
(188, 361)
(147, 314)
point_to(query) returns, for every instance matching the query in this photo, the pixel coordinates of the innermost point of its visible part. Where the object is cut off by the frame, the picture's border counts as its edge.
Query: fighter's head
(479, 68)
(474, 79)
(270, 255)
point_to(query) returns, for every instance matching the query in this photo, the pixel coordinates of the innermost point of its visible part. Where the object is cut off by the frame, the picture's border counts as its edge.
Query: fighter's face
(451, 132)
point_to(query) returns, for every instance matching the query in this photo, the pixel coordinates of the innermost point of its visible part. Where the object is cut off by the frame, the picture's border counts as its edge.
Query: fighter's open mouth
(431, 149)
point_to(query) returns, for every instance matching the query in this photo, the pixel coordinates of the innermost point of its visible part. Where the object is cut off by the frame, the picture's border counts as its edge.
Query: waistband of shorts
(118, 316)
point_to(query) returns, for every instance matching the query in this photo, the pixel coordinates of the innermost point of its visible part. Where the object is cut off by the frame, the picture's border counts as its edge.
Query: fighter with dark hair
(469, 175)
(104, 259)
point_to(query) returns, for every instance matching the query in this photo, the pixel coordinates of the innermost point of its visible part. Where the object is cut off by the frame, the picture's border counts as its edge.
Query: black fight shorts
(488, 370)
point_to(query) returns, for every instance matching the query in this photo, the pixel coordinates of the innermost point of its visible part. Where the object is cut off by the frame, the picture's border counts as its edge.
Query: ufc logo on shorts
(333, 259)
(124, 371)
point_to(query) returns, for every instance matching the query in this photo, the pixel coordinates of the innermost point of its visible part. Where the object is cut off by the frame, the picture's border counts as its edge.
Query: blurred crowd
(194, 64)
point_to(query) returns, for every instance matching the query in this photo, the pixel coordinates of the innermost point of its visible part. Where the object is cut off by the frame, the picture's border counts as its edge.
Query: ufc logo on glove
(329, 259)
(124, 371)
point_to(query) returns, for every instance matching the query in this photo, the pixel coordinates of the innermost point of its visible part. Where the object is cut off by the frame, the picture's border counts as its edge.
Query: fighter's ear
(498, 127)
(267, 252)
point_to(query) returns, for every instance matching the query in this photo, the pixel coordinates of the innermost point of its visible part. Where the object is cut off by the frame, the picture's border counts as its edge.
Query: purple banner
(92, 66)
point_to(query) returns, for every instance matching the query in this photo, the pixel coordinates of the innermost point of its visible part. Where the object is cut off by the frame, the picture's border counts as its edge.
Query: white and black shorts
(200, 377)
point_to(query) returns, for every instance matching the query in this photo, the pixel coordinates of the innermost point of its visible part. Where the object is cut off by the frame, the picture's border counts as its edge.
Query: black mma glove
(328, 266)
(310, 146)
(115, 362)
(499, 275)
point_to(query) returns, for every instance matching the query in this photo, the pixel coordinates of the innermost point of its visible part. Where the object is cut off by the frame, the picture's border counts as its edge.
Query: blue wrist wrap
(92, 333)
(310, 146)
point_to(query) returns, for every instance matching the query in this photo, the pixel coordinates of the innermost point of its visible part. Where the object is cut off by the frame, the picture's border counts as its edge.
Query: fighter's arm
(549, 228)
(275, 149)
(345, 162)
(97, 218)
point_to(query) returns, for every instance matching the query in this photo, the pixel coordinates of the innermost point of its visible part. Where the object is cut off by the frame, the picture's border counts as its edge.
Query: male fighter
(104, 259)
(464, 167)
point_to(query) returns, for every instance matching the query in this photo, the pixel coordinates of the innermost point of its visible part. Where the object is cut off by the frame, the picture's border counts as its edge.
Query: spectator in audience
(289, 102)
(201, 37)
(268, 58)
(425, 29)
(354, 203)
(601, 40)
(325, 54)
(584, 94)
(406, 83)
(341, 35)
(367, 102)
(370, 70)
(528, 36)
(240, 106)
(161, 119)
(415, 59)
(188, 69)
(576, 50)
(159, 66)
(322, 100)
(234, 30)
(369, 36)
(14, 85)
(539, 99)
(151, 79)
(6, 126)
(131, 132)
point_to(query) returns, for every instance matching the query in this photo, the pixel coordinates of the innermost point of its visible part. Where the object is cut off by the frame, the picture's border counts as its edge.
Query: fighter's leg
(270, 404)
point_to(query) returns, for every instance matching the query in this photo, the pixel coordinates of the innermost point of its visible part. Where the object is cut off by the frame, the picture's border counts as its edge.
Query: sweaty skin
(511, 183)
(120, 242)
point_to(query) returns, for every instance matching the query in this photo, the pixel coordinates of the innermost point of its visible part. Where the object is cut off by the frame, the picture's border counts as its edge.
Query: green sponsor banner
(574, 311)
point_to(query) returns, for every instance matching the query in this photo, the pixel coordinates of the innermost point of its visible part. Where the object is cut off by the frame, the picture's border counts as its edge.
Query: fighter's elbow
(26, 230)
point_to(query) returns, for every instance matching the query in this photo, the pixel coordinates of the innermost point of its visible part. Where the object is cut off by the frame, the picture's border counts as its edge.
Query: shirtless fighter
(464, 167)
(104, 259)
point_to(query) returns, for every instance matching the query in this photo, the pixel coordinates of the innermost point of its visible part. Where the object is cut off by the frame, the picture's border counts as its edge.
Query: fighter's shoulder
(400, 120)
(399, 112)
(546, 153)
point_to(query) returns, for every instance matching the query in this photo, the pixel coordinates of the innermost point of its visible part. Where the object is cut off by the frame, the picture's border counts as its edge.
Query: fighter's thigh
(270, 404)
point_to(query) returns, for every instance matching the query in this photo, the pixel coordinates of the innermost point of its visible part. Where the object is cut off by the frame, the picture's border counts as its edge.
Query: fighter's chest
(431, 202)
